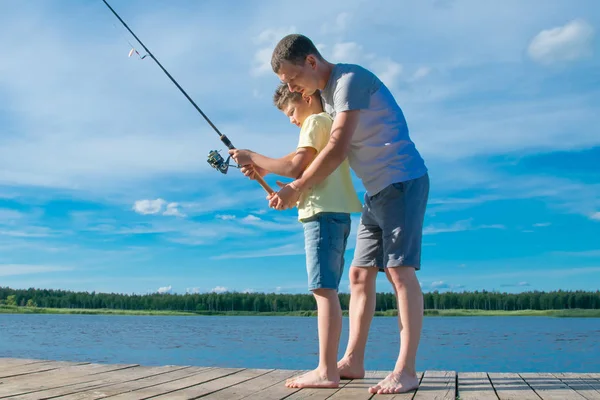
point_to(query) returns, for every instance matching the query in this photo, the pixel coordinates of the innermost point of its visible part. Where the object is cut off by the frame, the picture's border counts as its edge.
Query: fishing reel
(217, 162)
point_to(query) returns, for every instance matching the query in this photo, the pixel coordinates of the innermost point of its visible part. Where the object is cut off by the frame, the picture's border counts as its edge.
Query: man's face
(300, 78)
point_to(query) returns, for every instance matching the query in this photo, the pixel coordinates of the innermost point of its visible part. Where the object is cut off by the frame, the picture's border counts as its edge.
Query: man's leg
(401, 210)
(330, 326)
(409, 298)
(363, 274)
(362, 308)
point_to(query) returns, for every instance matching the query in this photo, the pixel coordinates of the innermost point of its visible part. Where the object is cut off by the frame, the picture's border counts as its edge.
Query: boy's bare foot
(313, 379)
(350, 370)
(396, 382)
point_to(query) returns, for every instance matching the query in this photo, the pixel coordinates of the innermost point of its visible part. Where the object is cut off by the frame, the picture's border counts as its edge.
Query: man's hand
(287, 197)
(242, 157)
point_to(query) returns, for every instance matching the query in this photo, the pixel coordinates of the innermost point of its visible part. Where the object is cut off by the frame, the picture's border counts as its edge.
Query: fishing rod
(214, 158)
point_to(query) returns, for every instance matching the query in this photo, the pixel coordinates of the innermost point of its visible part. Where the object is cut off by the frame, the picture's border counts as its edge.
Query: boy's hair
(293, 48)
(283, 96)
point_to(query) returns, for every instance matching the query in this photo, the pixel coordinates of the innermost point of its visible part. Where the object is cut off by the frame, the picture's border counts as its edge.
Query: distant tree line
(273, 302)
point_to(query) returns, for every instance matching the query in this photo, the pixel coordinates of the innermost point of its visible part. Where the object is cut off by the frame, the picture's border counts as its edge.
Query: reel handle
(258, 178)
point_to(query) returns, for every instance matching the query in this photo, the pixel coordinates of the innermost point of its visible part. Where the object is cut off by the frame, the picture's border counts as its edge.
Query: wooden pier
(26, 379)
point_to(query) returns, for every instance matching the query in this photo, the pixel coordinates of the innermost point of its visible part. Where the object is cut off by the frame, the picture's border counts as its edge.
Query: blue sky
(104, 183)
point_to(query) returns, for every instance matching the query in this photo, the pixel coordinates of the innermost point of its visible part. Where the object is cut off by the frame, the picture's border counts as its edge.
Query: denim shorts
(391, 226)
(325, 239)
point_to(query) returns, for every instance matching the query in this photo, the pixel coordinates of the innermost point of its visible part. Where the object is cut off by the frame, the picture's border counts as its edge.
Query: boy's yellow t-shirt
(335, 193)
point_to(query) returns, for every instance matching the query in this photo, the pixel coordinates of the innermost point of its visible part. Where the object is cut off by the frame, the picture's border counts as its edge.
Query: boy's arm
(290, 165)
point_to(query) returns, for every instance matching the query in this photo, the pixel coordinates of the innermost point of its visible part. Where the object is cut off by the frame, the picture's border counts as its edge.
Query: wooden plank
(548, 387)
(510, 386)
(243, 389)
(275, 392)
(138, 392)
(9, 362)
(102, 379)
(581, 386)
(23, 384)
(203, 389)
(358, 389)
(35, 367)
(475, 386)
(437, 385)
(126, 388)
(314, 393)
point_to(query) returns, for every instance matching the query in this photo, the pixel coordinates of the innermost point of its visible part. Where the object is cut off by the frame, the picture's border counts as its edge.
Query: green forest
(282, 303)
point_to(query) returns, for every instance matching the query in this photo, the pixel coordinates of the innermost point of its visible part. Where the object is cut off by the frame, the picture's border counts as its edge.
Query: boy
(324, 211)
(370, 131)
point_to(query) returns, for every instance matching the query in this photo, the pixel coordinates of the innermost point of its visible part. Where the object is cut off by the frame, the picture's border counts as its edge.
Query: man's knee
(362, 276)
(400, 277)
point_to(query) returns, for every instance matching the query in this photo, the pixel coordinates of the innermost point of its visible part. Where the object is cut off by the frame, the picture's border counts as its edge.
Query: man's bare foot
(396, 382)
(350, 370)
(313, 379)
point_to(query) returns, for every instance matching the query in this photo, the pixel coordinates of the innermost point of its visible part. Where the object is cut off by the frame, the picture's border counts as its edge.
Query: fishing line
(214, 158)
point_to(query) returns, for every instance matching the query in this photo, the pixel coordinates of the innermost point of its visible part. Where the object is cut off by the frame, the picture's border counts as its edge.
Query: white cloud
(595, 216)
(225, 217)
(387, 70)
(459, 226)
(420, 73)
(156, 206)
(347, 52)
(542, 224)
(262, 57)
(173, 210)
(193, 290)
(146, 207)
(569, 42)
(164, 289)
(439, 285)
(250, 218)
(248, 291)
(336, 26)
(219, 289)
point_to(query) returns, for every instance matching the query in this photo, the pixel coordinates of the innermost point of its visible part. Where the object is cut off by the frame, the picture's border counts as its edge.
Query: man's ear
(311, 60)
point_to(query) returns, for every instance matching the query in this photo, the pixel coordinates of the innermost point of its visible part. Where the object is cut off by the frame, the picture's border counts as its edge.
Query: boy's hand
(251, 171)
(242, 157)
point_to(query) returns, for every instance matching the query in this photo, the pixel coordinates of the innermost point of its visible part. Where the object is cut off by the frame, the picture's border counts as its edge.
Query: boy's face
(300, 78)
(298, 111)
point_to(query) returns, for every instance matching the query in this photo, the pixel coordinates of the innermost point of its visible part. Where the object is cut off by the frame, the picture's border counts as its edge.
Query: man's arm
(334, 153)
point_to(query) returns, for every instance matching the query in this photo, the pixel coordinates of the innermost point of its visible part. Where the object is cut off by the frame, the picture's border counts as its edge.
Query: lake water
(495, 344)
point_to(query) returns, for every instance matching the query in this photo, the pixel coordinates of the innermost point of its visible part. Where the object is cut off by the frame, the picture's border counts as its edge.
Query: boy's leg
(401, 209)
(330, 329)
(363, 273)
(326, 237)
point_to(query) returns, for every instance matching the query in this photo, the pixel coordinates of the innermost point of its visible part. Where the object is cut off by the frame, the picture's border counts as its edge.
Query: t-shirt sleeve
(353, 91)
(314, 133)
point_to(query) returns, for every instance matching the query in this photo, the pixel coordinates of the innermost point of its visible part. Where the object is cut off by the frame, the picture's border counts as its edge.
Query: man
(370, 130)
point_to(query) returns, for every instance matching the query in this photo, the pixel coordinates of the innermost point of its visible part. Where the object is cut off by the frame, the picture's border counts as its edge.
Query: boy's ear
(307, 99)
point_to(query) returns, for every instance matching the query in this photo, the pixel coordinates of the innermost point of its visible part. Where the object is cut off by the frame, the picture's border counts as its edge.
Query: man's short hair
(283, 96)
(294, 49)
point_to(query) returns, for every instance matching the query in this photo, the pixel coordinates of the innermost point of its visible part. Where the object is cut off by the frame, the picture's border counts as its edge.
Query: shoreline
(567, 313)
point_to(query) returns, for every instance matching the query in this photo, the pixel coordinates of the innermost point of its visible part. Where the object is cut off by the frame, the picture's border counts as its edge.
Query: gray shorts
(391, 226)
